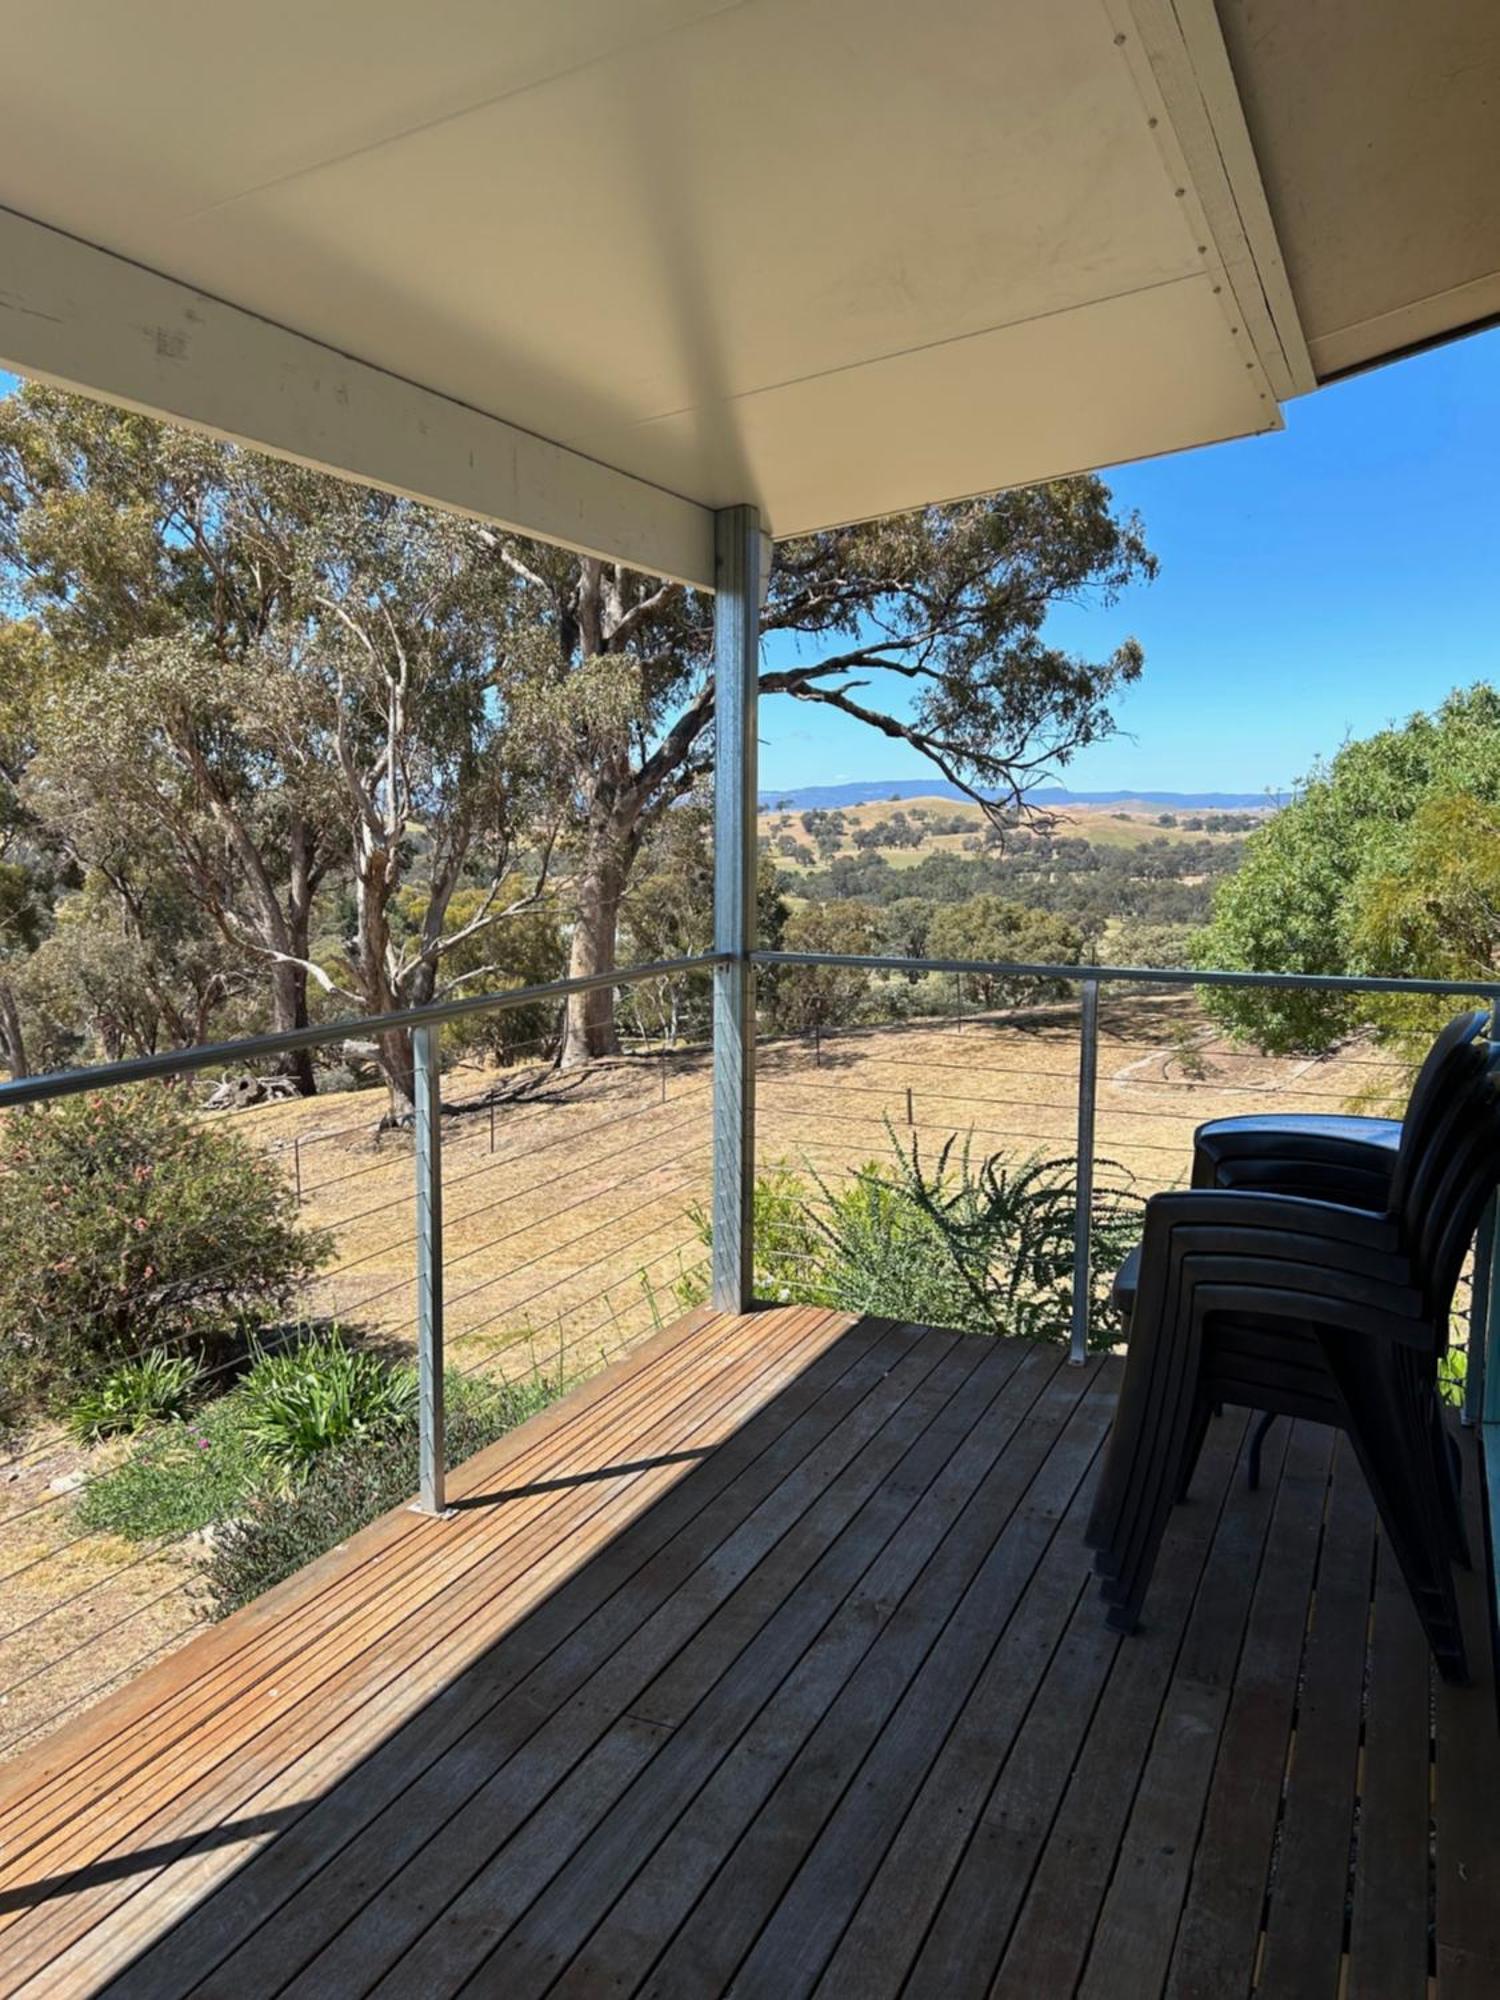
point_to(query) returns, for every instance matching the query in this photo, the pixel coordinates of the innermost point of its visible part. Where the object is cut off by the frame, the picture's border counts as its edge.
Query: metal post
(740, 566)
(1088, 1070)
(428, 1147)
(297, 1167)
(910, 1114)
(492, 1124)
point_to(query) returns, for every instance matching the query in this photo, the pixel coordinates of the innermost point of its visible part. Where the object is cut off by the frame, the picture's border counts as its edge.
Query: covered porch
(769, 1662)
(766, 1661)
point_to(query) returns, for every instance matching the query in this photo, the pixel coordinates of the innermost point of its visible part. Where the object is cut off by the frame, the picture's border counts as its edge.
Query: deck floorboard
(770, 1663)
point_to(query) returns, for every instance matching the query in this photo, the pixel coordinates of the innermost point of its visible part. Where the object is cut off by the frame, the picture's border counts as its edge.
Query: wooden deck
(769, 1662)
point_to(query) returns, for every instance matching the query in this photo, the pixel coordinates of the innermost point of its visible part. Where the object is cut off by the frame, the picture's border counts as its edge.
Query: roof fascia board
(84, 319)
(1177, 56)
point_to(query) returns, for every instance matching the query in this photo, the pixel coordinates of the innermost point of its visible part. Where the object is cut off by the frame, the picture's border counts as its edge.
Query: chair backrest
(1455, 1052)
(1450, 1169)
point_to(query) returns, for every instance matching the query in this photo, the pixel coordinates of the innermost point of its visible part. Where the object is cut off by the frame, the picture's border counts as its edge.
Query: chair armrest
(1296, 1214)
(1338, 1158)
(1299, 1221)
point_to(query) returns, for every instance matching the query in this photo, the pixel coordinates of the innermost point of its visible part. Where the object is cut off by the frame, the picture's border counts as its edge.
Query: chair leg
(1450, 1469)
(1390, 1424)
(1257, 1444)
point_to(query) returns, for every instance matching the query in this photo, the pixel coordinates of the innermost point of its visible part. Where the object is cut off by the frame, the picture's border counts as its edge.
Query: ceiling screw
(1217, 290)
(1119, 41)
(1179, 192)
(1152, 123)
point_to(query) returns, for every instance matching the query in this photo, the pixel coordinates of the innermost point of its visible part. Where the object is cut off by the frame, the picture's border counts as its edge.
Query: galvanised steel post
(427, 1139)
(741, 562)
(1088, 1071)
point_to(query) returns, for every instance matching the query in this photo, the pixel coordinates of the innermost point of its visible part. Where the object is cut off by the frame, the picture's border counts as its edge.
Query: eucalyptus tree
(930, 629)
(151, 569)
(290, 684)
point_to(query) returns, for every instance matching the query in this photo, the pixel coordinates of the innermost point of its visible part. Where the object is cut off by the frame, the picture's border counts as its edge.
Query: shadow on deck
(770, 1659)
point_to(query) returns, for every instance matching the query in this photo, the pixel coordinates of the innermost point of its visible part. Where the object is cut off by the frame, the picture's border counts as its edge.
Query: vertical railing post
(741, 560)
(428, 1147)
(1088, 1070)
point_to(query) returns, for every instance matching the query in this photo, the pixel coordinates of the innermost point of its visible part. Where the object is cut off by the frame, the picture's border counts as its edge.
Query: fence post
(297, 1167)
(492, 1124)
(741, 563)
(428, 1148)
(1088, 1070)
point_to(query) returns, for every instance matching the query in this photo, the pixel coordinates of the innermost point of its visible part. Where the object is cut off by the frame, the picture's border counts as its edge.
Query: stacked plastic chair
(1310, 1272)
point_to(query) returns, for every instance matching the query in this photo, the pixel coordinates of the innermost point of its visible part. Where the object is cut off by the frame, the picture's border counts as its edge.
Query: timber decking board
(771, 1663)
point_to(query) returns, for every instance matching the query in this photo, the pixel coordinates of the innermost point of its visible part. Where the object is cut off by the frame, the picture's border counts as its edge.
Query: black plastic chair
(1298, 1305)
(1331, 1156)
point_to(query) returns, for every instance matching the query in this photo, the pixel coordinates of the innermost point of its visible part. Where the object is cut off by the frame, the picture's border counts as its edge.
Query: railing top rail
(1139, 974)
(255, 1048)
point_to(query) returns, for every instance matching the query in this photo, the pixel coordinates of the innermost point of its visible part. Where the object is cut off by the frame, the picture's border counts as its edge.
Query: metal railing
(731, 1109)
(1485, 1308)
(443, 1316)
(424, 1024)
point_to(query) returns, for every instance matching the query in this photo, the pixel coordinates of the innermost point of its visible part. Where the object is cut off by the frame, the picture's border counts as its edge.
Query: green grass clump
(137, 1393)
(320, 1393)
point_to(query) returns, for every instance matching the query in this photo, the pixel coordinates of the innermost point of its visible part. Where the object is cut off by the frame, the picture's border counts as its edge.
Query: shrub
(787, 1244)
(985, 1246)
(157, 1385)
(296, 1403)
(125, 1224)
(982, 1246)
(347, 1488)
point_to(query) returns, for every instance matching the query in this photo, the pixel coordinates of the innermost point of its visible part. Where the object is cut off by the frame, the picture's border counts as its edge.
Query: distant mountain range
(862, 790)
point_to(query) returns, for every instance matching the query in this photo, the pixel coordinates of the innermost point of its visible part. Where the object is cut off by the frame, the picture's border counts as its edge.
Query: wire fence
(570, 1235)
(574, 1226)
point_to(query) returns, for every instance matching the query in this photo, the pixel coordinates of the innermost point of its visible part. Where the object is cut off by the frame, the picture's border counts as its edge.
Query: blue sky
(1315, 584)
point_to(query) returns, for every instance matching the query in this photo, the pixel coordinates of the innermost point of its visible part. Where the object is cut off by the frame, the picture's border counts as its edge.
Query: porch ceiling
(592, 268)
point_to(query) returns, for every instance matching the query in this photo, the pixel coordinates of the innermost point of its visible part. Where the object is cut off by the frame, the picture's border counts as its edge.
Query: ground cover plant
(155, 1385)
(284, 1527)
(312, 1443)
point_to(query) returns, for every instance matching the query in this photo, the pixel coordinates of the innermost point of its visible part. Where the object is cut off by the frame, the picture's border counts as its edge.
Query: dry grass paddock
(567, 1223)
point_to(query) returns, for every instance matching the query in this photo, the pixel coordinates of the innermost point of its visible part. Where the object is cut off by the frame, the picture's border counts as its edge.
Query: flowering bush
(126, 1225)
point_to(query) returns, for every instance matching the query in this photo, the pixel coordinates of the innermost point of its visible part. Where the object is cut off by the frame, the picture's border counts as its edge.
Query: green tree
(1432, 911)
(806, 996)
(1301, 897)
(989, 927)
(929, 628)
(277, 679)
